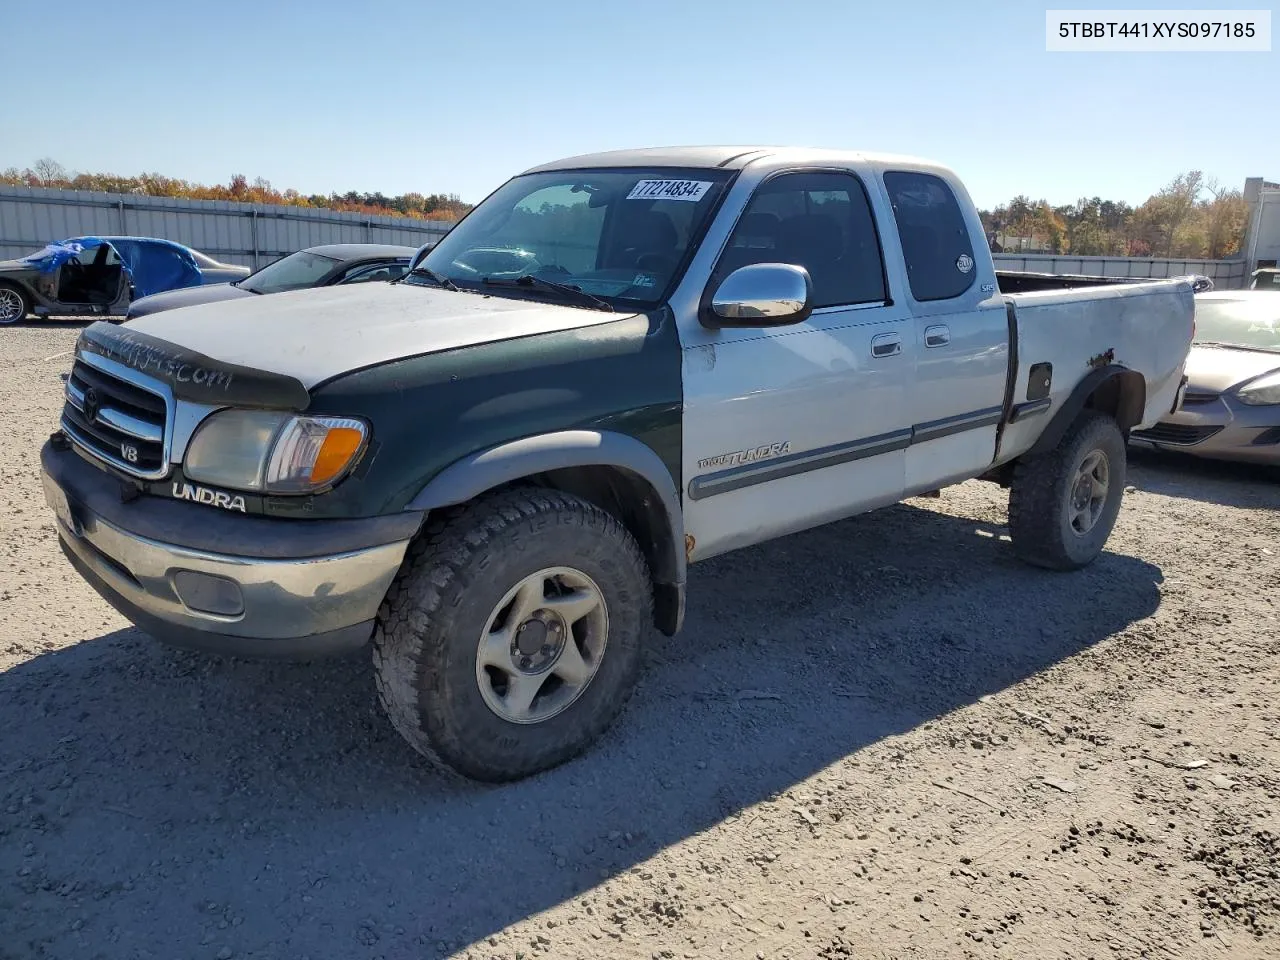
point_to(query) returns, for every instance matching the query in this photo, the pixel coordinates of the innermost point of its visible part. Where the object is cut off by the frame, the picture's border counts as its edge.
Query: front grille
(1197, 399)
(1179, 434)
(118, 420)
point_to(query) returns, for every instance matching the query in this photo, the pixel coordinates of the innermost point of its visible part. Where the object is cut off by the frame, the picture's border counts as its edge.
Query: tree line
(1190, 218)
(50, 173)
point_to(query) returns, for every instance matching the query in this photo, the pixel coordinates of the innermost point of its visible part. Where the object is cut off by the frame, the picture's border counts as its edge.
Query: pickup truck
(496, 470)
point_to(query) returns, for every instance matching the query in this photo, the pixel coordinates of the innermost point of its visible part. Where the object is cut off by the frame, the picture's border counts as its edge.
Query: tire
(466, 705)
(1046, 525)
(15, 304)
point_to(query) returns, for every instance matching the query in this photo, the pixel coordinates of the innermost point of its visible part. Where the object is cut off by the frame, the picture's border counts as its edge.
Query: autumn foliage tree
(1190, 218)
(49, 173)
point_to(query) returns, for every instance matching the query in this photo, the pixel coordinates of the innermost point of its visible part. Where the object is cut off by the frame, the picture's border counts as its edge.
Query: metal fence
(253, 234)
(250, 234)
(1225, 274)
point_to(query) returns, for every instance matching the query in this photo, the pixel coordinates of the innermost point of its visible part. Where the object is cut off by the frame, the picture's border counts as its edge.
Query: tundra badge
(214, 498)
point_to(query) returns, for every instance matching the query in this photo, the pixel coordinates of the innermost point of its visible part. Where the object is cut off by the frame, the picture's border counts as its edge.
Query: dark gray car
(319, 266)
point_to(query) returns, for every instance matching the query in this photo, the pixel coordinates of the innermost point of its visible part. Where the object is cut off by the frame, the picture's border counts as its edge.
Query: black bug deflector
(191, 375)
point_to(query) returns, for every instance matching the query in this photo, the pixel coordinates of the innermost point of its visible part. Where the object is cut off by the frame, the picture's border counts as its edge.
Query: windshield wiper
(435, 278)
(529, 280)
(1257, 348)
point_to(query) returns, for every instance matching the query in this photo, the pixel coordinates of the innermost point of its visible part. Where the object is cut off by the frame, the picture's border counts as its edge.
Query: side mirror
(421, 253)
(761, 295)
(1199, 282)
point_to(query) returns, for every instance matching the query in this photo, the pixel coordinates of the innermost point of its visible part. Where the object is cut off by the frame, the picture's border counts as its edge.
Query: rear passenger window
(820, 221)
(935, 239)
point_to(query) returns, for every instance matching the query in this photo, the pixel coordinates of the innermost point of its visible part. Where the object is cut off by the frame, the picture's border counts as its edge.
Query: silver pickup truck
(497, 469)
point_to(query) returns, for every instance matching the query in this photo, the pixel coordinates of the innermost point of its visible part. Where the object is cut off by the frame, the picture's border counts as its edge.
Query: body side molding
(1032, 408)
(747, 475)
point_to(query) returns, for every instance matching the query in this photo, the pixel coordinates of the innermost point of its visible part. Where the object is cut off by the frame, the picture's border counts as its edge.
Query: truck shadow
(1246, 485)
(197, 803)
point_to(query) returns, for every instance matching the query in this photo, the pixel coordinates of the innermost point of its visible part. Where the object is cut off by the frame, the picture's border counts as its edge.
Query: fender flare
(483, 470)
(1128, 414)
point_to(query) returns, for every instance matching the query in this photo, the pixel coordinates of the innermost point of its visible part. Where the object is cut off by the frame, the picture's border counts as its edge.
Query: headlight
(1261, 392)
(273, 452)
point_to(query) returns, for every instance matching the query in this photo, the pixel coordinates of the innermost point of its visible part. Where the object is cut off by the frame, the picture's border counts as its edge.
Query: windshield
(1253, 323)
(294, 272)
(619, 235)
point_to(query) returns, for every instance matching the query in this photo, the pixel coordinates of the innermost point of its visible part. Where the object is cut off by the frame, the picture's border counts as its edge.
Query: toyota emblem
(90, 404)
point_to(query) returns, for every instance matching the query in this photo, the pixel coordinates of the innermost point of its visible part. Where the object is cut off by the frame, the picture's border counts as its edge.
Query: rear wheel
(512, 636)
(14, 304)
(1063, 504)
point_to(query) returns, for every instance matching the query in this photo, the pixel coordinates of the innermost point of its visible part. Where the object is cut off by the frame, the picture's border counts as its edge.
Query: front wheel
(14, 304)
(512, 636)
(1063, 504)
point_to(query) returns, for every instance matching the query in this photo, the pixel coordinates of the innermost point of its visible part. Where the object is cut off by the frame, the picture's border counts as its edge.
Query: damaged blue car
(101, 276)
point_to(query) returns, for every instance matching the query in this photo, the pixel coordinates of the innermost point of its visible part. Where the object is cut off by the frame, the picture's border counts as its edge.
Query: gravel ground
(884, 738)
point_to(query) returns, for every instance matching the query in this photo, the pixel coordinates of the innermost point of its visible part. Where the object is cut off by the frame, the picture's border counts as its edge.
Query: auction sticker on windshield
(669, 190)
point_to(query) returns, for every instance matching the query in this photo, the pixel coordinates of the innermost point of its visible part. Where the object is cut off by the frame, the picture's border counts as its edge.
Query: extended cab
(498, 468)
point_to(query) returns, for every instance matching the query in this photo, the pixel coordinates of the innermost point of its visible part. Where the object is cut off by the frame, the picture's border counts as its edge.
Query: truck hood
(1217, 369)
(314, 335)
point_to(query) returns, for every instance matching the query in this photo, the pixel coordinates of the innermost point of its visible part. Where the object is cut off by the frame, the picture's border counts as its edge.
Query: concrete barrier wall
(1225, 274)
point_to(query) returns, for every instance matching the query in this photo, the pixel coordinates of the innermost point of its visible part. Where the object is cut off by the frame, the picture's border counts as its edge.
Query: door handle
(937, 336)
(886, 345)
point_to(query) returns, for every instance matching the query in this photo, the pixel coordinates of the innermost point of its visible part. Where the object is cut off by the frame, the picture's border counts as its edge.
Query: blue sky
(454, 98)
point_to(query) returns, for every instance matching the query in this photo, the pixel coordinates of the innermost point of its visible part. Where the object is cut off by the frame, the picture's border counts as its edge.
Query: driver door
(793, 426)
(86, 279)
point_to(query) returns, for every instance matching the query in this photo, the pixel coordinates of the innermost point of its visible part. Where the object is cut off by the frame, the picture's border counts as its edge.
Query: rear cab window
(936, 243)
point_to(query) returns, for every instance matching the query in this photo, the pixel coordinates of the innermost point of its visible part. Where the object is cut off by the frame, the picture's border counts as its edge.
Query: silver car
(1231, 409)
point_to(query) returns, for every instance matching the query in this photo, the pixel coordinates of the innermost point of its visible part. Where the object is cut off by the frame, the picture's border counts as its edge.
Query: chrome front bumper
(225, 603)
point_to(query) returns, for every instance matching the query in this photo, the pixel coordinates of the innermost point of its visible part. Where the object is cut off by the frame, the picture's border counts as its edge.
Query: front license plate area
(61, 506)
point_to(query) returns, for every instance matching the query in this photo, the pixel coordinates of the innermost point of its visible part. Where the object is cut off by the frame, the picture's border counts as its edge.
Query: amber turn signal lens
(339, 446)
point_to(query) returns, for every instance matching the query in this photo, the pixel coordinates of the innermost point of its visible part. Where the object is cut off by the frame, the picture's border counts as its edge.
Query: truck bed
(1021, 281)
(1143, 326)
